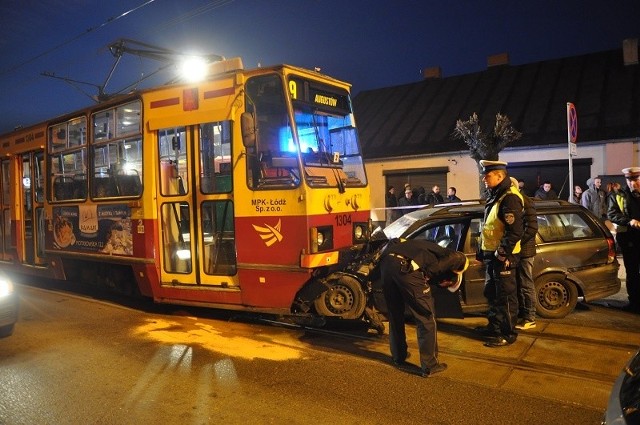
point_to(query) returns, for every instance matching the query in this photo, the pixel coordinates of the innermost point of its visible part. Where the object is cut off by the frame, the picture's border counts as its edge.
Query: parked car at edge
(624, 401)
(575, 257)
(8, 306)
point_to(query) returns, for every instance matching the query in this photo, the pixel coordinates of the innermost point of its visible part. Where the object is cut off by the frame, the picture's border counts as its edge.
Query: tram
(245, 191)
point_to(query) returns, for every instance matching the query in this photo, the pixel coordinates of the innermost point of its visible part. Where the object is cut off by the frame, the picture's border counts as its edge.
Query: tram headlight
(321, 238)
(359, 232)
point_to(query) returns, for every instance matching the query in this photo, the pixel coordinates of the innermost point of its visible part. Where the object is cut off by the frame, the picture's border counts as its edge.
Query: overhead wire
(74, 38)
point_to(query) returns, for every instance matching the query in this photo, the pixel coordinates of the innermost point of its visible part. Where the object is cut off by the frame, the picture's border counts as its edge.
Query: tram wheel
(556, 296)
(344, 298)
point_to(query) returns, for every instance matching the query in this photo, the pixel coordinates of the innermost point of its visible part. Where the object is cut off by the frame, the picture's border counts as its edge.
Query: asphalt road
(74, 359)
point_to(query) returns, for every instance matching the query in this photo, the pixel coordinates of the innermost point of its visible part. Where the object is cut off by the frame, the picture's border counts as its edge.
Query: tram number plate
(343, 220)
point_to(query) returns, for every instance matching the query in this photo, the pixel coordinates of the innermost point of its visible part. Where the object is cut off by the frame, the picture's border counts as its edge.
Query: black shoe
(440, 367)
(397, 362)
(499, 341)
(486, 331)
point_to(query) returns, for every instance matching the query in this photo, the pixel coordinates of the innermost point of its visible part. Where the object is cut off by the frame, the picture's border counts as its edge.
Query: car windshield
(399, 227)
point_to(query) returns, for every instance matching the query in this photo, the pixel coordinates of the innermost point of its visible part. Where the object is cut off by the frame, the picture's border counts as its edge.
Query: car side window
(565, 226)
(472, 241)
(447, 235)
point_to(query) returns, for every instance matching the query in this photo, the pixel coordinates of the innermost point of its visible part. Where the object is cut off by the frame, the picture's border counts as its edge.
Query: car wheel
(556, 296)
(6, 330)
(344, 298)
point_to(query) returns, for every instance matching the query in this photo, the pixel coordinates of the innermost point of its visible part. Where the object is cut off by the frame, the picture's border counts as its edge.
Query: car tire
(344, 298)
(556, 296)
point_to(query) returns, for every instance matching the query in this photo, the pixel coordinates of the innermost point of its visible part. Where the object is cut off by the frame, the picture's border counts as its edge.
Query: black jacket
(530, 220)
(433, 259)
(512, 206)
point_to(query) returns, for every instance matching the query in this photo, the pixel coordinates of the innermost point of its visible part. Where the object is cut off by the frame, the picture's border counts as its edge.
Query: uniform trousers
(403, 290)
(501, 291)
(630, 246)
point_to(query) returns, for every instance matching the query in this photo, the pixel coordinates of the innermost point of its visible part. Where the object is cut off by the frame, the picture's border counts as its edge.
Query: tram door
(196, 206)
(31, 200)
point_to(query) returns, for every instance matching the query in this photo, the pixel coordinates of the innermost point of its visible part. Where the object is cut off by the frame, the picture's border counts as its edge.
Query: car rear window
(565, 226)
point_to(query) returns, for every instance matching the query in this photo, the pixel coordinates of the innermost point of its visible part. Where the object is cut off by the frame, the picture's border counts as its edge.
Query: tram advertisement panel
(93, 228)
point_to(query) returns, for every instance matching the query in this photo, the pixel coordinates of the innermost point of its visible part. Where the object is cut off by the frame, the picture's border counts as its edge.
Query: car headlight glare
(6, 287)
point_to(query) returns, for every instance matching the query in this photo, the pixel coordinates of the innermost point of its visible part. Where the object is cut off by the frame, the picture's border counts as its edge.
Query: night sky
(371, 44)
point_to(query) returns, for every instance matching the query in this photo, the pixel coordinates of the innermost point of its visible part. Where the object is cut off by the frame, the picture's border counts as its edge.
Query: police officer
(623, 210)
(501, 234)
(407, 267)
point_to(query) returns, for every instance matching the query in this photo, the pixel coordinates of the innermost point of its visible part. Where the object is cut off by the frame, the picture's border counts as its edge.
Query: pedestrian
(546, 192)
(406, 201)
(501, 234)
(420, 196)
(451, 195)
(624, 212)
(391, 202)
(524, 269)
(435, 197)
(593, 198)
(522, 188)
(407, 267)
(577, 195)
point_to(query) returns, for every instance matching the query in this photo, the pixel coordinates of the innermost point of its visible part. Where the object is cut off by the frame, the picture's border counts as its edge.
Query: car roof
(475, 207)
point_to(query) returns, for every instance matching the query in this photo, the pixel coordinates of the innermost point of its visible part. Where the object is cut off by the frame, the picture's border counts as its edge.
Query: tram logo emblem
(269, 234)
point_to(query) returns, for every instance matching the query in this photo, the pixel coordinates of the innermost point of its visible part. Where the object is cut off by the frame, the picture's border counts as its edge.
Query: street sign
(572, 123)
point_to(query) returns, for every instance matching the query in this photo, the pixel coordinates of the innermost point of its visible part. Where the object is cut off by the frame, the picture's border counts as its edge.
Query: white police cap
(631, 171)
(492, 165)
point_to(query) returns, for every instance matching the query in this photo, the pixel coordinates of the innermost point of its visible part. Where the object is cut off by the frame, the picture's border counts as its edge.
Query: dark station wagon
(576, 256)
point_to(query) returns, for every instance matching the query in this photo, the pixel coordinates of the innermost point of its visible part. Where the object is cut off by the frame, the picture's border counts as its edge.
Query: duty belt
(406, 261)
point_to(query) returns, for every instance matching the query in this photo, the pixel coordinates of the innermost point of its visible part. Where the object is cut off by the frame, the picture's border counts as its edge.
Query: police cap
(631, 171)
(488, 166)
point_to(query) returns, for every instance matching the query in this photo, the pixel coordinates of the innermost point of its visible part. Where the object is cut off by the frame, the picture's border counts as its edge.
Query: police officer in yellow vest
(623, 210)
(501, 234)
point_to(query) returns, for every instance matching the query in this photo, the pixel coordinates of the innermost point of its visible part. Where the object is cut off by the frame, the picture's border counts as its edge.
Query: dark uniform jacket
(511, 207)
(530, 228)
(432, 259)
(621, 208)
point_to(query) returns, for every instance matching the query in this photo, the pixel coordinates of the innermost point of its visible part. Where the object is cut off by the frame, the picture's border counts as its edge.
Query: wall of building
(607, 159)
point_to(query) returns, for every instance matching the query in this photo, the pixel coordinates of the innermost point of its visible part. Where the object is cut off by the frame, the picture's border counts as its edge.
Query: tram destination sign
(320, 96)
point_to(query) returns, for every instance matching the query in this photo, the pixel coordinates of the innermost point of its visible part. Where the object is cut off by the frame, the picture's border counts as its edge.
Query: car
(8, 307)
(575, 252)
(623, 407)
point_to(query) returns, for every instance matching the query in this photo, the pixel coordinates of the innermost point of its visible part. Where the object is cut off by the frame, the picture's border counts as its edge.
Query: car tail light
(611, 255)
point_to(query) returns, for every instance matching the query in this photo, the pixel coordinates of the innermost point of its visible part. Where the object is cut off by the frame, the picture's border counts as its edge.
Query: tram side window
(172, 155)
(116, 166)
(218, 238)
(68, 160)
(272, 156)
(215, 157)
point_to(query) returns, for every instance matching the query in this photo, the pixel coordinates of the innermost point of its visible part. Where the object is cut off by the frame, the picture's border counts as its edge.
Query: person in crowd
(407, 267)
(524, 270)
(406, 201)
(522, 188)
(577, 194)
(546, 192)
(451, 195)
(391, 202)
(613, 188)
(420, 195)
(623, 210)
(501, 234)
(593, 198)
(435, 197)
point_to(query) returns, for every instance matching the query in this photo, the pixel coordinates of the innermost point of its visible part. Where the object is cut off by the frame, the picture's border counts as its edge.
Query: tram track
(518, 361)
